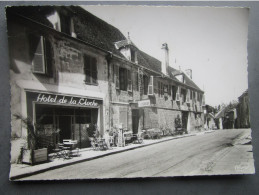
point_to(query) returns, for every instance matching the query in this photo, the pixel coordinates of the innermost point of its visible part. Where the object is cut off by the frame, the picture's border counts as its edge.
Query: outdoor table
(69, 145)
(101, 144)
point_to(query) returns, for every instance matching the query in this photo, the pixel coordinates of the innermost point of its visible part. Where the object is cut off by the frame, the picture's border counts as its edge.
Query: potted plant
(32, 153)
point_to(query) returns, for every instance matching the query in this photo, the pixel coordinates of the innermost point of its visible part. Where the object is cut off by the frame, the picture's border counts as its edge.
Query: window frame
(92, 71)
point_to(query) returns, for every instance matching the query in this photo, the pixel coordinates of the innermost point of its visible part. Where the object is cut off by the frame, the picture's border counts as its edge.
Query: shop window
(90, 68)
(40, 52)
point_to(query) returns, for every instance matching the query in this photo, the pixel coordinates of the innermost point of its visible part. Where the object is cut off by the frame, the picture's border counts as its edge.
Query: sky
(210, 41)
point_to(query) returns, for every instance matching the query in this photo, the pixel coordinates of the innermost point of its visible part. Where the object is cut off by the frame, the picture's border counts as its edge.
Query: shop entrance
(135, 121)
(64, 122)
(65, 127)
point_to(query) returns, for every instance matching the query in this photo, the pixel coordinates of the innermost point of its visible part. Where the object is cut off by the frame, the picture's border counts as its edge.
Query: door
(65, 127)
(184, 120)
(135, 121)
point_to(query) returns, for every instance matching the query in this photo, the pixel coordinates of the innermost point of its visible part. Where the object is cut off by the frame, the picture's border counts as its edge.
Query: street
(221, 152)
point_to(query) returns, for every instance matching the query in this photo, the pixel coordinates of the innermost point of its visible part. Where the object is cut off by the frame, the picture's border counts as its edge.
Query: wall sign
(66, 100)
(143, 103)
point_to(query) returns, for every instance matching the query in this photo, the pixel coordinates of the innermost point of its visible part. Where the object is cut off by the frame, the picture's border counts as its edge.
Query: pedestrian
(106, 137)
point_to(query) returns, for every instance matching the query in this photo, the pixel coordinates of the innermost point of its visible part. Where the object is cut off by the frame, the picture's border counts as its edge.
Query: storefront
(60, 117)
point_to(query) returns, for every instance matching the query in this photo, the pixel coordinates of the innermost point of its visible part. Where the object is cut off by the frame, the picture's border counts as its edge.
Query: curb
(92, 158)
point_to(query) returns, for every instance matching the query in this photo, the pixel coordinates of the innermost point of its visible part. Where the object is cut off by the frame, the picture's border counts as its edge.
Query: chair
(94, 144)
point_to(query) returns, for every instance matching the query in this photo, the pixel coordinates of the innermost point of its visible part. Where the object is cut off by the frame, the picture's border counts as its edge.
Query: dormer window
(133, 56)
(67, 25)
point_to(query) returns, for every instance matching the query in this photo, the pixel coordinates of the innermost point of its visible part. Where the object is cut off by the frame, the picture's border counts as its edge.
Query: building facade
(73, 72)
(243, 111)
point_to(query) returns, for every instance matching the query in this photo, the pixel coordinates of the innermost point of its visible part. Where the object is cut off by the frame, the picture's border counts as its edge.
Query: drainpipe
(109, 57)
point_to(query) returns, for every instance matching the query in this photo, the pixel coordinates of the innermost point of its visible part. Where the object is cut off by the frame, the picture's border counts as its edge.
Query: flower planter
(34, 156)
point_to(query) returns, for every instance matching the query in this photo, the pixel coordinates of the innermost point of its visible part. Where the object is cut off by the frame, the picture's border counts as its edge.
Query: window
(133, 56)
(38, 60)
(183, 95)
(116, 76)
(151, 86)
(65, 21)
(174, 91)
(129, 80)
(40, 52)
(160, 89)
(145, 78)
(123, 78)
(190, 95)
(90, 69)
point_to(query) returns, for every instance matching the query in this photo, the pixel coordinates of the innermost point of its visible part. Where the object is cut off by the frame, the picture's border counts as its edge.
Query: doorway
(135, 121)
(185, 120)
(65, 127)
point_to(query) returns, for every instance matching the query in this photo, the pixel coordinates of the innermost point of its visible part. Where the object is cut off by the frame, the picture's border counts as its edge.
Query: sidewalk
(22, 170)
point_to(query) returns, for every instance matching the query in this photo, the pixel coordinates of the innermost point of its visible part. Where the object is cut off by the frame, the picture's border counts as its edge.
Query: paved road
(220, 152)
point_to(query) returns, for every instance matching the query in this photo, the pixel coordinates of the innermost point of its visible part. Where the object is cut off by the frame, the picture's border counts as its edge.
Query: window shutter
(87, 69)
(151, 86)
(94, 70)
(129, 80)
(116, 76)
(155, 85)
(145, 84)
(203, 100)
(48, 57)
(169, 89)
(188, 96)
(178, 94)
(38, 61)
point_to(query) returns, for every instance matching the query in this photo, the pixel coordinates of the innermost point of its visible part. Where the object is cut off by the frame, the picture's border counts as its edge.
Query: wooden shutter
(188, 96)
(129, 80)
(135, 81)
(151, 86)
(123, 78)
(178, 94)
(87, 68)
(116, 77)
(94, 70)
(169, 89)
(38, 61)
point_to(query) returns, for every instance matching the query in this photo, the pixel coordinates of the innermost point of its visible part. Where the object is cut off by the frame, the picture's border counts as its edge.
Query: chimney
(189, 73)
(165, 59)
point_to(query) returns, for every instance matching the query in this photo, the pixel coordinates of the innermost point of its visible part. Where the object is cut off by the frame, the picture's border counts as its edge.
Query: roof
(229, 108)
(188, 81)
(221, 113)
(97, 32)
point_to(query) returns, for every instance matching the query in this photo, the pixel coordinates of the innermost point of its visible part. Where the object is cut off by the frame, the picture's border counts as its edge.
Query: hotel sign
(66, 100)
(143, 103)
